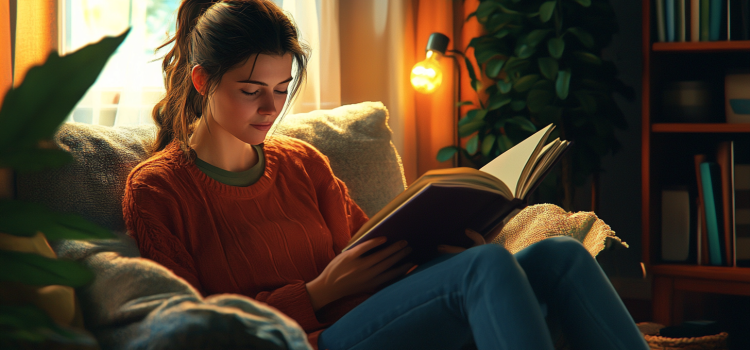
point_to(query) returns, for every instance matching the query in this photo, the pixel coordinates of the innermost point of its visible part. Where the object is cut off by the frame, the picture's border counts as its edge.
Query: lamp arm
(456, 138)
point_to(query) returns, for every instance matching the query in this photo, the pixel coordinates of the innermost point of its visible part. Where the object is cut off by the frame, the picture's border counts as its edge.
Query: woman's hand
(351, 273)
(474, 235)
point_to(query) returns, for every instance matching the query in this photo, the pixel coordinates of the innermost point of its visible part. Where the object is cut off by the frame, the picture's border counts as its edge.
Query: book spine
(711, 218)
(725, 160)
(681, 20)
(695, 21)
(715, 20)
(729, 20)
(705, 7)
(661, 30)
(670, 20)
(742, 214)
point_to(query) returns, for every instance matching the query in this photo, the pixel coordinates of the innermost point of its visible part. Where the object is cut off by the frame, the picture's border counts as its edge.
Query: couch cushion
(355, 138)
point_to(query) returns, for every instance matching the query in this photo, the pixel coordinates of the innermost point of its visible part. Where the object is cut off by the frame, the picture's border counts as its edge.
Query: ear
(199, 77)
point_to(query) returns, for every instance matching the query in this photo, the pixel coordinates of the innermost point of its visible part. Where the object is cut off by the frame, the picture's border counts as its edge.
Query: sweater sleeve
(150, 217)
(294, 301)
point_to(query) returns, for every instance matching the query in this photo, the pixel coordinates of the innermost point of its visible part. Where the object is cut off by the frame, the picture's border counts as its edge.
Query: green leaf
(470, 15)
(584, 3)
(524, 51)
(504, 86)
(526, 82)
(494, 66)
(536, 36)
(36, 270)
(58, 83)
(446, 153)
(465, 103)
(518, 105)
(587, 57)
(477, 86)
(546, 10)
(515, 64)
(548, 66)
(583, 36)
(562, 85)
(504, 143)
(469, 128)
(556, 46)
(470, 116)
(28, 323)
(484, 53)
(470, 69)
(26, 219)
(472, 144)
(523, 123)
(497, 101)
(501, 33)
(34, 159)
(486, 8)
(536, 99)
(487, 144)
(544, 84)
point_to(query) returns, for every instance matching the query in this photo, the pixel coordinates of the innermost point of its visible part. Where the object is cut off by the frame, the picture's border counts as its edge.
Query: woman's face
(246, 105)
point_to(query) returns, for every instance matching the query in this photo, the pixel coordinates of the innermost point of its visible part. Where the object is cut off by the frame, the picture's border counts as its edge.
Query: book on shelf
(678, 225)
(742, 214)
(701, 237)
(681, 14)
(661, 28)
(711, 183)
(670, 19)
(704, 18)
(442, 203)
(725, 161)
(695, 22)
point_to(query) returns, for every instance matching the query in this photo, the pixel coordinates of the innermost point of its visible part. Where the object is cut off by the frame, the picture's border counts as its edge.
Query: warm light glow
(426, 76)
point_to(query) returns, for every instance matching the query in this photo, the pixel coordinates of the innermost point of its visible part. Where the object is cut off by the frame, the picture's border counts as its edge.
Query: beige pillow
(537, 222)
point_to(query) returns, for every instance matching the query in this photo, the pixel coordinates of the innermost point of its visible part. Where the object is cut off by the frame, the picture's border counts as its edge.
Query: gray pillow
(355, 138)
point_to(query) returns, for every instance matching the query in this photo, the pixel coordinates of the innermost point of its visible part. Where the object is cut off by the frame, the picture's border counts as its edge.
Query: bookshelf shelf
(700, 127)
(667, 159)
(702, 46)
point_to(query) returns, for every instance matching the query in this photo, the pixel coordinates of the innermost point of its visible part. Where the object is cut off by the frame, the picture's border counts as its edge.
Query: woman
(233, 212)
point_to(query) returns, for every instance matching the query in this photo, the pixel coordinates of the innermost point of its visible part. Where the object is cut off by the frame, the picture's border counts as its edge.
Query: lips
(262, 127)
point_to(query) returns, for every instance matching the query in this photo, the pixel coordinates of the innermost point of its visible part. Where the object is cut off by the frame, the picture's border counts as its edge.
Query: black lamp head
(438, 42)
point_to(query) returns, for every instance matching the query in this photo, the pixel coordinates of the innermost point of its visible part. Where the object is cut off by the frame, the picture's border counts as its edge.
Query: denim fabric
(487, 296)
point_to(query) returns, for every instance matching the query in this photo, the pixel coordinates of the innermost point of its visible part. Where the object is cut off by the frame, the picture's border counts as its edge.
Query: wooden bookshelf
(667, 149)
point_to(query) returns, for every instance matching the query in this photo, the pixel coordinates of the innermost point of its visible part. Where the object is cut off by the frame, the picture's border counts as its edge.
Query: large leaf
(58, 84)
(446, 153)
(504, 143)
(34, 159)
(504, 86)
(537, 99)
(26, 219)
(525, 82)
(469, 128)
(472, 75)
(485, 9)
(472, 144)
(471, 115)
(522, 123)
(546, 11)
(494, 66)
(587, 57)
(487, 144)
(536, 36)
(585, 37)
(556, 46)
(548, 66)
(497, 101)
(36, 270)
(562, 85)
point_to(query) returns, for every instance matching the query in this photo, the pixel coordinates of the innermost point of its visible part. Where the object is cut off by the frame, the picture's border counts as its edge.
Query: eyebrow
(262, 83)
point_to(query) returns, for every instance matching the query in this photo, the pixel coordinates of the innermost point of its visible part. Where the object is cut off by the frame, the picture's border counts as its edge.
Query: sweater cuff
(294, 301)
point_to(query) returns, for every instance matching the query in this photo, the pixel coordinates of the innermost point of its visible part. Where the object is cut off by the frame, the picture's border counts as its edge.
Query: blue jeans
(495, 299)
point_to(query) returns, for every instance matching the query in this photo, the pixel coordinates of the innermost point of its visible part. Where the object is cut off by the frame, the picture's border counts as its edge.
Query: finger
(450, 249)
(367, 245)
(393, 273)
(475, 236)
(387, 263)
(381, 255)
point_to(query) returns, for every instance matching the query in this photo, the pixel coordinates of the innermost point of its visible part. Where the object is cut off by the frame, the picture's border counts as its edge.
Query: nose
(267, 104)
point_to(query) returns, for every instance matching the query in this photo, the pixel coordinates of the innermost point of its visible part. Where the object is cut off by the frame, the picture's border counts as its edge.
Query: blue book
(710, 178)
(670, 20)
(715, 16)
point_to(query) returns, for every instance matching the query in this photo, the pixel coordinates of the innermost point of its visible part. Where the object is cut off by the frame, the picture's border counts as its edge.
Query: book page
(509, 166)
(548, 157)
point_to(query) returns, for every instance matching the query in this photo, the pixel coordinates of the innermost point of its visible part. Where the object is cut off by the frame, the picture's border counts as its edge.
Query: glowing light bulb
(426, 75)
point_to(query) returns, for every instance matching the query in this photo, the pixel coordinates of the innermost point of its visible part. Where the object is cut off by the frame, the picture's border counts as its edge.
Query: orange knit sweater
(264, 241)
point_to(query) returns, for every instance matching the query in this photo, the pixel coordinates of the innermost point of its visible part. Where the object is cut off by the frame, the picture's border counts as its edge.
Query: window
(131, 82)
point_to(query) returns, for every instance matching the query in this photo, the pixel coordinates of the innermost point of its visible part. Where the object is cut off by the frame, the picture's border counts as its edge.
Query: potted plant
(29, 117)
(543, 59)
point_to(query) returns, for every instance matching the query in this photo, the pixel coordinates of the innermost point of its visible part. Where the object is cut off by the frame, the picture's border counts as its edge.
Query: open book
(441, 204)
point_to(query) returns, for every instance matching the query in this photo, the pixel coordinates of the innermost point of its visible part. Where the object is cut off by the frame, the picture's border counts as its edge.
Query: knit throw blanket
(537, 222)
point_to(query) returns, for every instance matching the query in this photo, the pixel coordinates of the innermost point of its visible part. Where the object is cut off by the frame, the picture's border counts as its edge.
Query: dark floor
(732, 312)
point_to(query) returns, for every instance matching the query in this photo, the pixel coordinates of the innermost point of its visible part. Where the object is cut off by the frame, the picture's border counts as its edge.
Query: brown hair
(218, 35)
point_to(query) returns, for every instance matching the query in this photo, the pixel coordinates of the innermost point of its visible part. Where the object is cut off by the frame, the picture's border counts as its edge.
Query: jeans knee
(489, 256)
(560, 248)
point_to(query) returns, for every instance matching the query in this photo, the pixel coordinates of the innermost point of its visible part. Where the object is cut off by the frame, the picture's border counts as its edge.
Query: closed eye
(256, 92)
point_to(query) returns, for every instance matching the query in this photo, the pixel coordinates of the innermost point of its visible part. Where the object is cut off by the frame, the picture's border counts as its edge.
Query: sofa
(134, 303)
